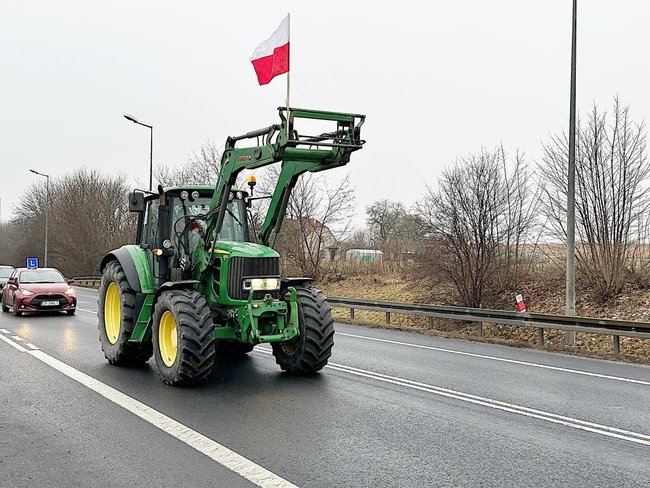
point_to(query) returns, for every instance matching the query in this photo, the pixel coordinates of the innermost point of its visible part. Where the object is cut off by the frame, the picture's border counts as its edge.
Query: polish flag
(271, 57)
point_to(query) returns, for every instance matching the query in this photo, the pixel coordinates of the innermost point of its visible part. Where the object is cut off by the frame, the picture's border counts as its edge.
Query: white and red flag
(271, 57)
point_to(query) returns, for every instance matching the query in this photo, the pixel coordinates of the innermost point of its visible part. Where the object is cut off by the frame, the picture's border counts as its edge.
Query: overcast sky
(437, 80)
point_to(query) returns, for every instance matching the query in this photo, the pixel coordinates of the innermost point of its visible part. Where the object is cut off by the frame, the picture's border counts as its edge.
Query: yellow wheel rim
(112, 313)
(167, 340)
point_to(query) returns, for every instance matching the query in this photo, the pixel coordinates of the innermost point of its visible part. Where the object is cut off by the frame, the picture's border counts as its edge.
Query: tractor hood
(247, 249)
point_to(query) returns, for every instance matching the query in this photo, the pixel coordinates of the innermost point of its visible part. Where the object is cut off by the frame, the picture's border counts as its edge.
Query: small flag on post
(521, 304)
(271, 57)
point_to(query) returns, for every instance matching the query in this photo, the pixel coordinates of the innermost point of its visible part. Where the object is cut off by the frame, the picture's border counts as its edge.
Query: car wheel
(70, 312)
(17, 312)
(4, 307)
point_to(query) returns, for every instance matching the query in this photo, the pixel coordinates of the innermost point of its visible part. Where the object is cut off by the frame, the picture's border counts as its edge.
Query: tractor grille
(241, 267)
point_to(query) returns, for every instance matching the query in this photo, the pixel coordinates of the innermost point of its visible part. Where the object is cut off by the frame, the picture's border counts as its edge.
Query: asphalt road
(392, 409)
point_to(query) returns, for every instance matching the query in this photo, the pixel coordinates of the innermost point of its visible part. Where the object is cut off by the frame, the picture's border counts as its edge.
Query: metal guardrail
(88, 281)
(615, 328)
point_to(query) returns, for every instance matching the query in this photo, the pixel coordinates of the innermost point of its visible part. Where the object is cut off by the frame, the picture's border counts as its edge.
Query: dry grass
(545, 294)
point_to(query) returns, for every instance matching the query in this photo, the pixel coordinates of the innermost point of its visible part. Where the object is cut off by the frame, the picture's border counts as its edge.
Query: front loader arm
(299, 154)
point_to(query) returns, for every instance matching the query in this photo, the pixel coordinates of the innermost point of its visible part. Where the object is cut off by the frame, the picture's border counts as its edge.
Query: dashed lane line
(5, 331)
(219, 453)
(87, 311)
(13, 344)
(17, 338)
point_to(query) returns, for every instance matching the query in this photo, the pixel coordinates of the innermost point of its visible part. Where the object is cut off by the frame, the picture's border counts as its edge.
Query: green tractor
(198, 282)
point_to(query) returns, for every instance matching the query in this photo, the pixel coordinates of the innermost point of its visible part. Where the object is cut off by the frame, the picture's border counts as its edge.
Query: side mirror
(136, 201)
(70, 281)
(12, 281)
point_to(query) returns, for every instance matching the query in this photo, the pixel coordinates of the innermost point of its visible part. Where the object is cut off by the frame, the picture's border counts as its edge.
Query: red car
(38, 290)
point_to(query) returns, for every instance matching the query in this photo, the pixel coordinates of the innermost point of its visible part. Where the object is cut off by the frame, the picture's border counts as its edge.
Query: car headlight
(25, 292)
(69, 292)
(256, 284)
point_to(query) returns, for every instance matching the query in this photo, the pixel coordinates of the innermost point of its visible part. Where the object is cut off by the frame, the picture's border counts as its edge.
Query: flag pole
(289, 72)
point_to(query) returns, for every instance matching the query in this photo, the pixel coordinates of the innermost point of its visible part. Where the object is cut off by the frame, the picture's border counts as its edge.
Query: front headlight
(25, 292)
(256, 284)
(69, 292)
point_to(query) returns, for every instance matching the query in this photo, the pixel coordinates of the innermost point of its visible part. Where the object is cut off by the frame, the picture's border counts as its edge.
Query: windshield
(41, 276)
(6, 272)
(233, 222)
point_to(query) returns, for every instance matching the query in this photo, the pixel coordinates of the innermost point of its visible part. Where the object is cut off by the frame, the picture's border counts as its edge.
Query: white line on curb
(493, 358)
(495, 404)
(235, 462)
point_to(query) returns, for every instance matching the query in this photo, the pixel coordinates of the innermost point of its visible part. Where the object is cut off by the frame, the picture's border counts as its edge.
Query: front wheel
(310, 351)
(116, 314)
(183, 338)
(16, 312)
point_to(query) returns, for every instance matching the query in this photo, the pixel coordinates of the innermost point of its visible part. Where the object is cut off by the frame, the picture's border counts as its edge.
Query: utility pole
(570, 336)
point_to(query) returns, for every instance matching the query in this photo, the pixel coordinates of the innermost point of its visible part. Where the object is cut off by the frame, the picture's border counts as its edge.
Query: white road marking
(32, 346)
(13, 344)
(235, 462)
(504, 360)
(87, 311)
(17, 338)
(495, 404)
(5, 331)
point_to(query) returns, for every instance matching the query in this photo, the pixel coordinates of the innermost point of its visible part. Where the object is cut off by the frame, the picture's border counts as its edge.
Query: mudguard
(136, 265)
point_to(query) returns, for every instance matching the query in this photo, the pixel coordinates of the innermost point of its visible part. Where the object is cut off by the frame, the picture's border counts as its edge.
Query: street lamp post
(47, 208)
(570, 336)
(135, 121)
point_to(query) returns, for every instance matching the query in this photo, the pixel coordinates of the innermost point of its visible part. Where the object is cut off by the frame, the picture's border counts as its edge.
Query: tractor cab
(179, 226)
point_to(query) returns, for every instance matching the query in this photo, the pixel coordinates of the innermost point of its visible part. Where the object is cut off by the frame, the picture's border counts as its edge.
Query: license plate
(50, 303)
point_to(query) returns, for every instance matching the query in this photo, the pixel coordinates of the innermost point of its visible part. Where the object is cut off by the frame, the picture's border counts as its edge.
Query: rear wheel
(4, 307)
(70, 312)
(310, 351)
(116, 316)
(182, 337)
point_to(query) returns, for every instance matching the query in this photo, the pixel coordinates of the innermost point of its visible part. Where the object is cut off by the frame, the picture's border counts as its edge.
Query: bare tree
(88, 216)
(612, 199)
(201, 168)
(318, 217)
(384, 220)
(476, 223)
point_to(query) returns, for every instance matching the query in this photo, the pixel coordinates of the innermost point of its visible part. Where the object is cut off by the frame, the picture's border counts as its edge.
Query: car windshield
(41, 276)
(6, 272)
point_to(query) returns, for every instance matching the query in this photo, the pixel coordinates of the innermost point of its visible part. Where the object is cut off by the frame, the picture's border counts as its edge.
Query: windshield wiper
(234, 217)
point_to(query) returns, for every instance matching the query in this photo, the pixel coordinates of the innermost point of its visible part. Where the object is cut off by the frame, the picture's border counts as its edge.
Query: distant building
(364, 255)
